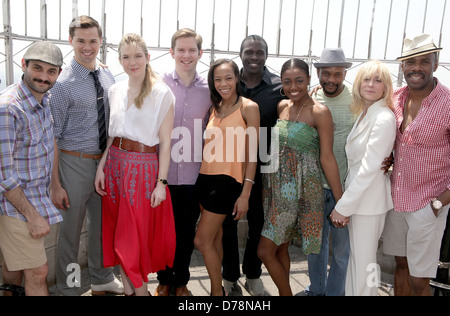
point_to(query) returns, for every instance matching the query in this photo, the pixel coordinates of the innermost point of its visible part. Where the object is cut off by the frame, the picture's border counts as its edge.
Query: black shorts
(217, 193)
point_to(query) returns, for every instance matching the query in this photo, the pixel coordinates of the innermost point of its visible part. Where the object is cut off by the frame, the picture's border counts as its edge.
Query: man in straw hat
(420, 180)
(26, 158)
(337, 96)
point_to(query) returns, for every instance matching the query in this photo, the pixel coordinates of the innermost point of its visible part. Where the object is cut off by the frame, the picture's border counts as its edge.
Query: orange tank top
(224, 152)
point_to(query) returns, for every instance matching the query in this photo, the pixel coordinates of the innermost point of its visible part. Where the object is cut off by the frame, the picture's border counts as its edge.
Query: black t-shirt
(267, 95)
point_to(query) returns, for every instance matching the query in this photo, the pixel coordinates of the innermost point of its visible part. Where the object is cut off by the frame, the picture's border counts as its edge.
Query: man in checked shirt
(421, 176)
(77, 154)
(26, 159)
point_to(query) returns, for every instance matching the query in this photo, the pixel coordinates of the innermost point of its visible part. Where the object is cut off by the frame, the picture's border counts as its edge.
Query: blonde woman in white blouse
(138, 223)
(367, 197)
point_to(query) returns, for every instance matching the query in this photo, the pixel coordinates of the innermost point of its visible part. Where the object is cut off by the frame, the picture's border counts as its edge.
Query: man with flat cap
(337, 96)
(421, 176)
(26, 161)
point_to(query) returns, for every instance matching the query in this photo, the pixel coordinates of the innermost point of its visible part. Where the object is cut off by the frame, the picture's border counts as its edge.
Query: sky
(301, 26)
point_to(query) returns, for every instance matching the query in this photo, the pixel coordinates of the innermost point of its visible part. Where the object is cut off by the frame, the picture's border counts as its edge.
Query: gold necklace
(223, 114)
(301, 109)
(296, 120)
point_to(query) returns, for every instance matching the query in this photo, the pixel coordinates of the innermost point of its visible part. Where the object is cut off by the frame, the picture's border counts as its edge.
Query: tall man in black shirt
(261, 86)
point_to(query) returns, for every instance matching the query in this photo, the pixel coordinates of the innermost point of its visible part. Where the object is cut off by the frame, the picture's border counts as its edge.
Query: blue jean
(334, 284)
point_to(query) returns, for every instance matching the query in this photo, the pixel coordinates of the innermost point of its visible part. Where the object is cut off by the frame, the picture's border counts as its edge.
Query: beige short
(418, 237)
(20, 251)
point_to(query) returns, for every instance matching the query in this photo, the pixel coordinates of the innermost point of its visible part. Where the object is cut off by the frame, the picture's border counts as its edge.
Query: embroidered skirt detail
(136, 236)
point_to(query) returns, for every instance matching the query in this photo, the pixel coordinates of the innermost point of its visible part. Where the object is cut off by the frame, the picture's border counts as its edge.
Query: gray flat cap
(46, 52)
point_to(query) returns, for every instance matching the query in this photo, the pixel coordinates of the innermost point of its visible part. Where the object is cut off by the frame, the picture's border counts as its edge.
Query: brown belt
(133, 146)
(82, 156)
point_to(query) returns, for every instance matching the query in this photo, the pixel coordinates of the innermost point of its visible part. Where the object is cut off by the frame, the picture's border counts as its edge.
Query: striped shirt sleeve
(9, 179)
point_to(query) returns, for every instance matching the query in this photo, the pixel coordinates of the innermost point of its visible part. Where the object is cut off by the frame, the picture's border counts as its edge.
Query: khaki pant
(418, 237)
(20, 250)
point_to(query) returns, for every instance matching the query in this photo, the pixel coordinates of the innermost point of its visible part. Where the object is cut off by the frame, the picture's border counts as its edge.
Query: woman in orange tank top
(229, 164)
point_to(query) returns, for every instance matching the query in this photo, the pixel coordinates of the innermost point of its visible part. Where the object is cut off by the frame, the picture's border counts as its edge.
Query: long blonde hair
(150, 77)
(369, 70)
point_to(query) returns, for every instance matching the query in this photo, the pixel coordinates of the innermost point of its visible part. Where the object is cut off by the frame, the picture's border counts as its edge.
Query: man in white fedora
(420, 180)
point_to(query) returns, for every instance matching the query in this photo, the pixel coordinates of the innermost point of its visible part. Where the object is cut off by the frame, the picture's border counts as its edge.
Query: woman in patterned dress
(293, 194)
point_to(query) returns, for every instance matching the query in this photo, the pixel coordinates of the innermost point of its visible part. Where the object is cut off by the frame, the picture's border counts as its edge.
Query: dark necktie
(101, 112)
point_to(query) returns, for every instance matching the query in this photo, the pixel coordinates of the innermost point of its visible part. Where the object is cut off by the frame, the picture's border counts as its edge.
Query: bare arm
(252, 117)
(328, 160)
(58, 195)
(100, 175)
(37, 225)
(165, 136)
(444, 198)
(324, 124)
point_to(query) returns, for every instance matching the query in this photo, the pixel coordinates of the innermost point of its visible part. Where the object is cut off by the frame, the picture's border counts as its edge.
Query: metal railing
(369, 29)
(366, 29)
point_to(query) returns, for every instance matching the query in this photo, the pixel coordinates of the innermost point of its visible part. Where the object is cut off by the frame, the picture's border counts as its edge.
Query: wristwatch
(437, 205)
(163, 181)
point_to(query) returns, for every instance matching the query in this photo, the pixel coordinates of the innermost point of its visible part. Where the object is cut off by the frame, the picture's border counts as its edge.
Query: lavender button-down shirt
(191, 115)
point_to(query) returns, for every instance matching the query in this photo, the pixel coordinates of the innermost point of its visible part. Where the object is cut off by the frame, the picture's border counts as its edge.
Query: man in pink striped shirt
(421, 176)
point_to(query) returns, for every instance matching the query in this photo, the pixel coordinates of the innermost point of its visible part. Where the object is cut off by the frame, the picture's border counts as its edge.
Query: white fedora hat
(418, 46)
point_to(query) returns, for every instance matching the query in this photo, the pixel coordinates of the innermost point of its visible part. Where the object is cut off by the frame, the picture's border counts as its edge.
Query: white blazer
(367, 189)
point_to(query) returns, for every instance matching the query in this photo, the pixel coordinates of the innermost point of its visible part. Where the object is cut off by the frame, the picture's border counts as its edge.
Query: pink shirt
(422, 152)
(191, 116)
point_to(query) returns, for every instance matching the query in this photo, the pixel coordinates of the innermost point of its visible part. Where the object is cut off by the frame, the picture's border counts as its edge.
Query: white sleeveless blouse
(142, 124)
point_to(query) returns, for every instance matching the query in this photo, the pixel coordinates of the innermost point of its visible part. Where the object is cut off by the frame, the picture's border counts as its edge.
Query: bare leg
(130, 289)
(36, 281)
(401, 283)
(277, 261)
(209, 241)
(420, 286)
(11, 278)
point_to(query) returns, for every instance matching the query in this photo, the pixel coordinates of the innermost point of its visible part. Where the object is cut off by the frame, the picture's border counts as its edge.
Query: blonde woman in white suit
(367, 197)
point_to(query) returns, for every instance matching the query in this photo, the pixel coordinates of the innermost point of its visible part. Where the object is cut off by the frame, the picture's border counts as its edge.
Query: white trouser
(363, 275)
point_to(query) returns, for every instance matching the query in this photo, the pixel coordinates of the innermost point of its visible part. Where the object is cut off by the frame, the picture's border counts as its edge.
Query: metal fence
(366, 29)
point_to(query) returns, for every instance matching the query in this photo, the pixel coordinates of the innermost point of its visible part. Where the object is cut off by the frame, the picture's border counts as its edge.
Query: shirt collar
(177, 79)
(81, 70)
(436, 91)
(266, 77)
(26, 94)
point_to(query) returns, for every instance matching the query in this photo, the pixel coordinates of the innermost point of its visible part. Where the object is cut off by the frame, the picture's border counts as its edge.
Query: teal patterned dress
(293, 194)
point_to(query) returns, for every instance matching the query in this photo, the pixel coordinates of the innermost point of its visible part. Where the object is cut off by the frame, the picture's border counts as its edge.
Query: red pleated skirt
(136, 236)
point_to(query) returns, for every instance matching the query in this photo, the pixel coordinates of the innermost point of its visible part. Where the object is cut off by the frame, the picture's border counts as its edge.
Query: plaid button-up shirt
(422, 152)
(26, 151)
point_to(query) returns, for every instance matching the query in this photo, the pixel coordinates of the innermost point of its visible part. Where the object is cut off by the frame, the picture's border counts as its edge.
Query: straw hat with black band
(418, 46)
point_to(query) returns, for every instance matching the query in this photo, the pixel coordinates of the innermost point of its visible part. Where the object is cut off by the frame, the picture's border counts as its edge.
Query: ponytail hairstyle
(150, 77)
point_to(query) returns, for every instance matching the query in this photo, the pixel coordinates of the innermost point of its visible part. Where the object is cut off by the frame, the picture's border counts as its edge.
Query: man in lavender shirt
(191, 113)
